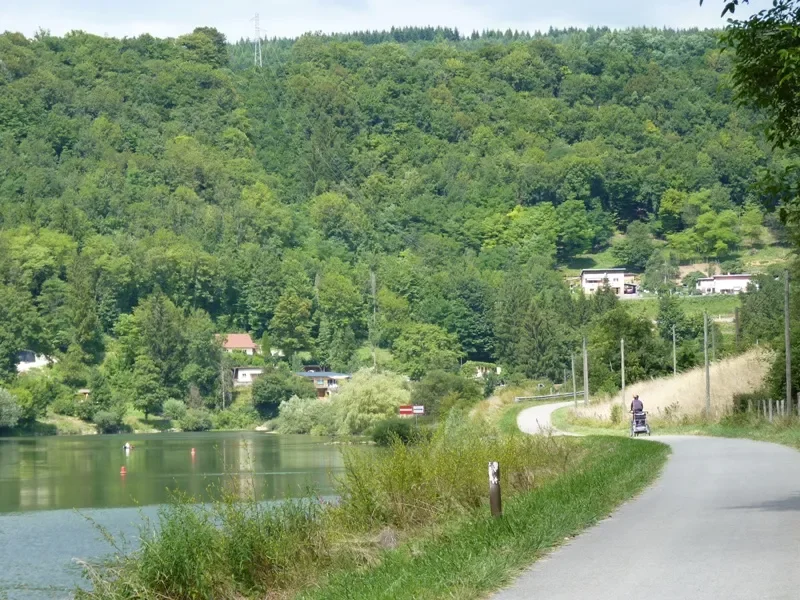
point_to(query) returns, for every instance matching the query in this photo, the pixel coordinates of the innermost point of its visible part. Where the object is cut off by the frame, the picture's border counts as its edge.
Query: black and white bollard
(495, 501)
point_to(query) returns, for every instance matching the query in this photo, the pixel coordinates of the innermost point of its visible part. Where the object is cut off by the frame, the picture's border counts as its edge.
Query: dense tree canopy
(154, 192)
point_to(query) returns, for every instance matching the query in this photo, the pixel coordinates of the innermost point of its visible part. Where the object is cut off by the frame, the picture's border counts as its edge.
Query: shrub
(386, 432)
(236, 417)
(744, 400)
(368, 399)
(412, 485)
(436, 386)
(64, 404)
(84, 409)
(10, 411)
(174, 409)
(44, 390)
(276, 386)
(616, 414)
(196, 419)
(108, 421)
(306, 415)
(733, 265)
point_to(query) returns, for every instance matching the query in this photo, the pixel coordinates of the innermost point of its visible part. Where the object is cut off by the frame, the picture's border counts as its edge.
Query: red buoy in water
(123, 471)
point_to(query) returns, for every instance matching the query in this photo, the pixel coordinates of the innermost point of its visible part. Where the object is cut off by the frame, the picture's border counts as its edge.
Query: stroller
(639, 423)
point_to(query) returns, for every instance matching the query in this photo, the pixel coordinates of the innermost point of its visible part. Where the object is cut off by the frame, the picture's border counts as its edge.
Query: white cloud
(294, 17)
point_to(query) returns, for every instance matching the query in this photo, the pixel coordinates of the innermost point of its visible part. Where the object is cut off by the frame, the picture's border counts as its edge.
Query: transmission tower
(257, 44)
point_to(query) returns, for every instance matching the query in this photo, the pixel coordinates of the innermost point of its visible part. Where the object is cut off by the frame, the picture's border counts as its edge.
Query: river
(51, 487)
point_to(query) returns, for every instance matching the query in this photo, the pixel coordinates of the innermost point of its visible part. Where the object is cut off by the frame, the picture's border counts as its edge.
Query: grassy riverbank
(412, 522)
(481, 554)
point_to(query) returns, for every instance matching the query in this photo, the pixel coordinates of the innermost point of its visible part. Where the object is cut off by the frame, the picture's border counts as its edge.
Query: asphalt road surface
(722, 522)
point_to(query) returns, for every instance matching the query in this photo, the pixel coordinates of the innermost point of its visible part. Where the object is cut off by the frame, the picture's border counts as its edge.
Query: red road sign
(406, 409)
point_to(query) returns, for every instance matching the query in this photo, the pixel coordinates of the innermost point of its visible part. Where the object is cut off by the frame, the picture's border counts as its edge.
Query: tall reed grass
(227, 550)
(683, 397)
(414, 485)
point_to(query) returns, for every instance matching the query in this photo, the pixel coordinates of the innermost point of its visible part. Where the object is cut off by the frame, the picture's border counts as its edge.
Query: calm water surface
(44, 480)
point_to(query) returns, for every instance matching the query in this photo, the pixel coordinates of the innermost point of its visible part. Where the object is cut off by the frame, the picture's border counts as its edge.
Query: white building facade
(724, 284)
(243, 376)
(593, 279)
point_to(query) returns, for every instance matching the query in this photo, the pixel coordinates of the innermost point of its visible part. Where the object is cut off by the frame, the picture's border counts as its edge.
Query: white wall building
(27, 361)
(724, 284)
(246, 375)
(593, 279)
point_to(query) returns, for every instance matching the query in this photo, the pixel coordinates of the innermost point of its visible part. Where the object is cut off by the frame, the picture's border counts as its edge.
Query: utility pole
(585, 373)
(713, 342)
(674, 353)
(705, 356)
(257, 44)
(788, 341)
(622, 362)
(222, 380)
(373, 287)
(574, 388)
(737, 326)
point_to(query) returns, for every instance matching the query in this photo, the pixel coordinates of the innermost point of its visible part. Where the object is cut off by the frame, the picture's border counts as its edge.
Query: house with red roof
(238, 342)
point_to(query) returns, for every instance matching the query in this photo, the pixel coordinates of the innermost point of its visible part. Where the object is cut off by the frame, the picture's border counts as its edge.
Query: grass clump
(229, 549)
(412, 486)
(387, 432)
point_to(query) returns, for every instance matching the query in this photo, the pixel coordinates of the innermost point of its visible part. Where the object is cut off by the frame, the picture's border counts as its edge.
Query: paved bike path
(722, 522)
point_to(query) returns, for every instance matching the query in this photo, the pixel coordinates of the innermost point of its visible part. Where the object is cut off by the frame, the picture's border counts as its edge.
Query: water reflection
(84, 472)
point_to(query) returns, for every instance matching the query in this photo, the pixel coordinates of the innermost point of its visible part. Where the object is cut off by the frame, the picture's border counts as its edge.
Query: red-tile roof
(238, 341)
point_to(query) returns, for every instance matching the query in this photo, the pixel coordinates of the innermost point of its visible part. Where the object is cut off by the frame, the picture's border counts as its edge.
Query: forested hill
(260, 199)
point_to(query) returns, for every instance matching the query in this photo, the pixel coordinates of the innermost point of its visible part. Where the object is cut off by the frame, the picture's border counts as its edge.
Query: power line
(257, 44)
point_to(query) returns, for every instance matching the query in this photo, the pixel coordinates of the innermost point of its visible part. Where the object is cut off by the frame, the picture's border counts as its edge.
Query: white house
(246, 375)
(724, 284)
(593, 279)
(27, 360)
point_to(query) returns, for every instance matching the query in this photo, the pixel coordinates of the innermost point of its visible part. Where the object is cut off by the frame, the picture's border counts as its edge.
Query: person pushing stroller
(638, 418)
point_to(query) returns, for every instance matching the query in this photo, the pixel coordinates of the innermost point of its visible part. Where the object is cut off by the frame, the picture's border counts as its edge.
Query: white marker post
(495, 501)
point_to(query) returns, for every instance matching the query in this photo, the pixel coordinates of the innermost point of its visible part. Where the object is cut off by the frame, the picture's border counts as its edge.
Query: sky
(290, 18)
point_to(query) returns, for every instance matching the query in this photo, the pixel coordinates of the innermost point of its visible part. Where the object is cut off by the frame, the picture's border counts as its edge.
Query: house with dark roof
(325, 382)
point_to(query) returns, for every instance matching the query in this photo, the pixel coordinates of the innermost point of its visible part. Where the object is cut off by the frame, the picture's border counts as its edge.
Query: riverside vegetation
(411, 521)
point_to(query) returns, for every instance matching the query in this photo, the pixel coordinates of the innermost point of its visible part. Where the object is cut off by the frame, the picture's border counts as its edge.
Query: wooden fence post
(770, 410)
(495, 501)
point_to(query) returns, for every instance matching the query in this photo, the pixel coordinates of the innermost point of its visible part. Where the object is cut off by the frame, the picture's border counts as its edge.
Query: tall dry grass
(684, 396)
